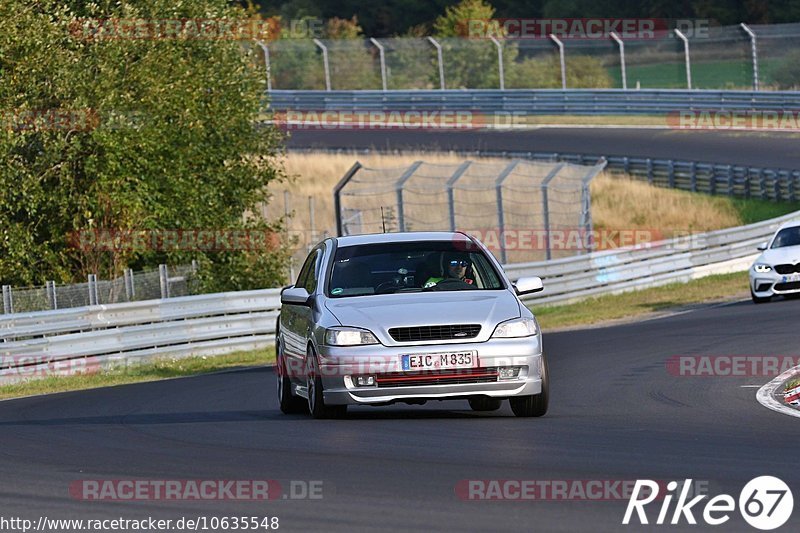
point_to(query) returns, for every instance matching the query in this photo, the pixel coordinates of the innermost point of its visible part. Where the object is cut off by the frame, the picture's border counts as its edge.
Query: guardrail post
(163, 280)
(683, 38)
(787, 177)
(546, 208)
(8, 300)
(92, 285)
(712, 180)
(762, 183)
(267, 65)
(382, 54)
(693, 176)
(325, 63)
(747, 177)
(440, 58)
(500, 68)
(401, 218)
(50, 289)
(451, 197)
(563, 62)
(671, 173)
(649, 170)
(776, 185)
(626, 165)
(130, 290)
(753, 52)
(792, 178)
(621, 59)
(729, 171)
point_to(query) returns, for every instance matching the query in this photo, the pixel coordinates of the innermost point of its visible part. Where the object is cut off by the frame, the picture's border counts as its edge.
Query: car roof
(408, 236)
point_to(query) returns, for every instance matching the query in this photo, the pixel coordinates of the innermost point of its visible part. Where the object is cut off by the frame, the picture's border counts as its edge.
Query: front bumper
(765, 284)
(338, 364)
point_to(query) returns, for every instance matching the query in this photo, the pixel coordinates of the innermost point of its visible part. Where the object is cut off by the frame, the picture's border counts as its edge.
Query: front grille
(791, 286)
(787, 269)
(435, 333)
(437, 377)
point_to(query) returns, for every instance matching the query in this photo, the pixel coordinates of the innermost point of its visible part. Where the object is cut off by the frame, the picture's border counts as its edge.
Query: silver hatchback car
(407, 317)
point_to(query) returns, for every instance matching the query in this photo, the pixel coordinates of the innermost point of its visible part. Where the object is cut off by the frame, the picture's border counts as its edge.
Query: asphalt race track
(755, 149)
(616, 414)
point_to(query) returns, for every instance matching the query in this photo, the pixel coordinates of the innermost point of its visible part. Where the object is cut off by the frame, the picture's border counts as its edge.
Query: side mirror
(295, 296)
(529, 285)
(762, 246)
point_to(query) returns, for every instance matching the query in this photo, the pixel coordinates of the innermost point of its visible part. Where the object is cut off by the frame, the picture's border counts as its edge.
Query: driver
(454, 266)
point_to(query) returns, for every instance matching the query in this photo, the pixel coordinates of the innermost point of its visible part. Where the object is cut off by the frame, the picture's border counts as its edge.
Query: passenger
(454, 266)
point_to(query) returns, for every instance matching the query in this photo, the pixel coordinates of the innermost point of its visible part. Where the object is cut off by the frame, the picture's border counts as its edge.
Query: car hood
(777, 256)
(378, 313)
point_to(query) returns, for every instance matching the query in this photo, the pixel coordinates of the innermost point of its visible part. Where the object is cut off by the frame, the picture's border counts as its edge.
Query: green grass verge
(150, 371)
(756, 210)
(633, 304)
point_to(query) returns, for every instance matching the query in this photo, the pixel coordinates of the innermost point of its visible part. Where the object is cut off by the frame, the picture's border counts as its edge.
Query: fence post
(451, 200)
(8, 300)
(130, 291)
(311, 219)
(164, 280)
(498, 186)
(382, 54)
(337, 196)
(267, 65)
(621, 59)
(683, 38)
(435, 43)
(401, 219)
(546, 208)
(500, 67)
(325, 63)
(563, 66)
(92, 289)
(50, 289)
(754, 53)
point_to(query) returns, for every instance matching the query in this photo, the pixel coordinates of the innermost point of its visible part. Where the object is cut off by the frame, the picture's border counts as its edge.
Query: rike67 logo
(765, 503)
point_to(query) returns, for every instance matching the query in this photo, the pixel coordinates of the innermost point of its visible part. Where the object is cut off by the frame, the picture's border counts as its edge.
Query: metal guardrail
(46, 342)
(105, 336)
(538, 101)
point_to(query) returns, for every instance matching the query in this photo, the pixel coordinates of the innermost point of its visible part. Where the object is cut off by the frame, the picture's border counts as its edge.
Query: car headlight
(761, 268)
(349, 337)
(518, 327)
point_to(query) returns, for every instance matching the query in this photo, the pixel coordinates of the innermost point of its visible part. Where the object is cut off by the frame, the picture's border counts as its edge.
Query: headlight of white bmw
(349, 337)
(517, 327)
(762, 268)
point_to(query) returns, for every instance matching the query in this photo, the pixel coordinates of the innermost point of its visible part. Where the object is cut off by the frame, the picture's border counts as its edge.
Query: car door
(296, 320)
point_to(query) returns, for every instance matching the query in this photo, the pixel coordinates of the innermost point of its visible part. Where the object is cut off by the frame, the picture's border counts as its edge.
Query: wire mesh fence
(522, 210)
(725, 57)
(164, 282)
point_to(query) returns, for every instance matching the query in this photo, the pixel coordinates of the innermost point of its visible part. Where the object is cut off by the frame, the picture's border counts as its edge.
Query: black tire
(759, 299)
(316, 400)
(289, 403)
(484, 403)
(535, 404)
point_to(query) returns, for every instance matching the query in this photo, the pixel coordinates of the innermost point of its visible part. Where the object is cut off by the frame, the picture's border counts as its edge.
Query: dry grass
(618, 202)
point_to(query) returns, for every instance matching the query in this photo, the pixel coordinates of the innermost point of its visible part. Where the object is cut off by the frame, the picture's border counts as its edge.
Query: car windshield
(787, 237)
(410, 267)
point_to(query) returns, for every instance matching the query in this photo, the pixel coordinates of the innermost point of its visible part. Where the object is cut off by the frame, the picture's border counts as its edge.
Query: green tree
(170, 141)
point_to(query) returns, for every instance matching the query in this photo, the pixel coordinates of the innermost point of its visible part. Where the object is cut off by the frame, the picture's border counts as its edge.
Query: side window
(313, 273)
(308, 266)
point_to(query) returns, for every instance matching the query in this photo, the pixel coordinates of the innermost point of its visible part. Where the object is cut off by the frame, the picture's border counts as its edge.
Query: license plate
(791, 277)
(439, 361)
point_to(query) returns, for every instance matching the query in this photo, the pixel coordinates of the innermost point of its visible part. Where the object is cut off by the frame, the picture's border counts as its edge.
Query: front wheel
(316, 400)
(535, 404)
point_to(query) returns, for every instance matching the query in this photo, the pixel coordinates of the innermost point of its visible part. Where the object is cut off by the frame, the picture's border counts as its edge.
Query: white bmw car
(777, 269)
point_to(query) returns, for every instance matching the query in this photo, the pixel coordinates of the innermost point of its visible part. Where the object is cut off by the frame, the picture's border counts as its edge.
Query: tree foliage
(171, 142)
